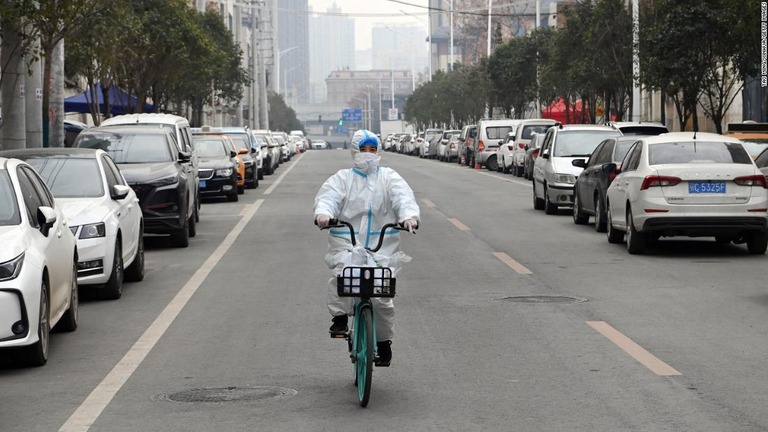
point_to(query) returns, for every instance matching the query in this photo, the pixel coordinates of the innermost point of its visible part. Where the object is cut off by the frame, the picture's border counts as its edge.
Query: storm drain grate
(230, 394)
(544, 299)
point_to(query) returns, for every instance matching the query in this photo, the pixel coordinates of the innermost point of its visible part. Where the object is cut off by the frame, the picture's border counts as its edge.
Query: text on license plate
(202, 183)
(706, 187)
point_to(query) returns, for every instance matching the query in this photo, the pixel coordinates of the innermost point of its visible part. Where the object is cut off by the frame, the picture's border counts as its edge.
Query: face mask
(367, 162)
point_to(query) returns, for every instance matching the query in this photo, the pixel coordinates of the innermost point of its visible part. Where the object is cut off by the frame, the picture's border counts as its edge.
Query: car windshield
(70, 177)
(498, 132)
(211, 147)
(9, 209)
(241, 141)
(697, 152)
(621, 149)
(755, 146)
(580, 143)
(127, 148)
(529, 130)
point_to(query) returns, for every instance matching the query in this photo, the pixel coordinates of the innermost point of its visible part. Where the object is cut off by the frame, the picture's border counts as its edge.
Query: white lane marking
(245, 210)
(279, 179)
(429, 203)
(514, 265)
(90, 410)
(633, 349)
(457, 223)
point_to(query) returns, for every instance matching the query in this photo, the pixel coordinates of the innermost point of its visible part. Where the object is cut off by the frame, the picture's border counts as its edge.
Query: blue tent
(119, 100)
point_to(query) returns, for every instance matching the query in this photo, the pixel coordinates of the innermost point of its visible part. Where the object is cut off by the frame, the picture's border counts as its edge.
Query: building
(293, 51)
(399, 47)
(331, 47)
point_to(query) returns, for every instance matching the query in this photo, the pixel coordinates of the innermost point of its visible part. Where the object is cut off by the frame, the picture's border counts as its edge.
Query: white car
(319, 144)
(38, 275)
(688, 184)
(102, 210)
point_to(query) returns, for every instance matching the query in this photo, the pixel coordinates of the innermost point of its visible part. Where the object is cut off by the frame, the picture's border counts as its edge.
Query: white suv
(490, 134)
(515, 162)
(554, 175)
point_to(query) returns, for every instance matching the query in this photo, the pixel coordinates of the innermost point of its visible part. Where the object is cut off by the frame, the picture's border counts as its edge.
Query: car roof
(161, 118)
(688, 136)
(70, 152)
(588, 127)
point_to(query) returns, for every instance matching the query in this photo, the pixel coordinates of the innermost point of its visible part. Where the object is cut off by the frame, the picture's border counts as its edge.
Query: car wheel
(135, 271)
(260, 175)
(241, 190)
(68, 322)
(614, 236)
(636, 240)
(579, 217)
(549, 207)
(757, 243)
(192, 227)
(180, 237)
(113, 289)
(492, 163)
(600, 225)
(538, 203)
(37, 353)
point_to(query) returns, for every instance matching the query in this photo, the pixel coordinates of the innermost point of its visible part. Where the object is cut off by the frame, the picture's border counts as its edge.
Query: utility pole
(34, 100)
(636, 89)
(255, 79)
(56, 102)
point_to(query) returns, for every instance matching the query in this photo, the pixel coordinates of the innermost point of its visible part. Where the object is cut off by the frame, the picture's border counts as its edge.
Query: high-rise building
(399, 47)
(293, 50)
(331, 47)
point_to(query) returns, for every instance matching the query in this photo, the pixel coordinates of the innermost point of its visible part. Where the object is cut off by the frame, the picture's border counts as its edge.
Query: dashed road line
(429, 203)
(633, 349)
(457, 223)
(514, 265)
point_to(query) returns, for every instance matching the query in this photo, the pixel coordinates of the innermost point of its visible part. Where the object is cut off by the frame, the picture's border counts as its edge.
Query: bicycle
(364, 282)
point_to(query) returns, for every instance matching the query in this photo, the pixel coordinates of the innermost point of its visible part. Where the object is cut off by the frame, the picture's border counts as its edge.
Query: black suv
(157, 171)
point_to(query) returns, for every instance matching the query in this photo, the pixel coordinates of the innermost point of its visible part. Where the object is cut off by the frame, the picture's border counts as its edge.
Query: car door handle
(58, 233)
(119, 214)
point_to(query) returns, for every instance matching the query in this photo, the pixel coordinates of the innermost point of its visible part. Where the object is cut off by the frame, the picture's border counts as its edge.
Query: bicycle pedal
(338, 335)
(379, 363)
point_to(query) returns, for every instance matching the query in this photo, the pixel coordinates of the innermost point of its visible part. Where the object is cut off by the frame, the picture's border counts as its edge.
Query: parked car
(591, 187)
(178, 126)
(219, 165)
(243, 139)
(754, 135)
(638, 128)
(553, 172)
(102, 211)
(452, 148)
(158, 172)
(442, 143)
(239, 153)
(267, 164)
(273, 150)
(72, 129)
(531, 153)
(431, 140)
(467, 139)
(688, 184)
(38, 270)
(490, 134)
(515, 163)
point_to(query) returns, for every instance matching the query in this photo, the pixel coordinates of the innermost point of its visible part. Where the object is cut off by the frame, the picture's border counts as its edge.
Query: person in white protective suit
(368, 196)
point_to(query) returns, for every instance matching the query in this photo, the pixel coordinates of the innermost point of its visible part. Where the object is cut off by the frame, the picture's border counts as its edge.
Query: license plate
(706, 187)
(202, 183)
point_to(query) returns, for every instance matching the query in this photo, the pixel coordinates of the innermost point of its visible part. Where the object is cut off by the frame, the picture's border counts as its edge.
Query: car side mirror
(581, 163)
(46, 217)
(119, 192)
(232, 154)
(610, 168)
(253, 149)
(242, 151)
(185, 156)
(545, 155)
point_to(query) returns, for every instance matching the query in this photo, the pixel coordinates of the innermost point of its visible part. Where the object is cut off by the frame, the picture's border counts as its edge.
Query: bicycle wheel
(364, 362)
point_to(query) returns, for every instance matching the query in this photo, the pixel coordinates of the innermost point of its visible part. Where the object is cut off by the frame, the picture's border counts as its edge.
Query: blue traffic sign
(352, 115)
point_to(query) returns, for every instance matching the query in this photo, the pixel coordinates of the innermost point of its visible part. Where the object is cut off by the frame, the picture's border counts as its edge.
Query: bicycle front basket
(366, 282)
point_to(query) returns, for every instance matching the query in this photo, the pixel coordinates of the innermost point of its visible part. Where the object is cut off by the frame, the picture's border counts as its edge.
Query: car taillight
(521, 145)
(453, 145)
(480, 145)
(755, 180)
(651, 181)
(535, 154)
(511, 148)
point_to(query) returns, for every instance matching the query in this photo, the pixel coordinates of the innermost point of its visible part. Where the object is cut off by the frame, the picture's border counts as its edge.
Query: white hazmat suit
(368, 196)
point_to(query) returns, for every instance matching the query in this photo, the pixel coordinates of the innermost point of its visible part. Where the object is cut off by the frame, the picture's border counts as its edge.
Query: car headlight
(93, 231)
(226, 172)
(166, 180)
(11, 269)
(565, 178)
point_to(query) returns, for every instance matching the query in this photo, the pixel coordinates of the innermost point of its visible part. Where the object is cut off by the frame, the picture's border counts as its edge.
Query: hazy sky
(368, 13)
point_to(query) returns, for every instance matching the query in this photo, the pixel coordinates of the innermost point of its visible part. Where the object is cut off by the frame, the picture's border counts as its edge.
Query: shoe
(339, 326)
(384, 350)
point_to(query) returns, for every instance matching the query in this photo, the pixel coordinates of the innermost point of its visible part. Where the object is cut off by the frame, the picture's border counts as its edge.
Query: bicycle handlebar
(338, 223)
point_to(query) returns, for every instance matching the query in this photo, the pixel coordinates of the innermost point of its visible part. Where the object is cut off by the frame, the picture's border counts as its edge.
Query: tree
(281, 116)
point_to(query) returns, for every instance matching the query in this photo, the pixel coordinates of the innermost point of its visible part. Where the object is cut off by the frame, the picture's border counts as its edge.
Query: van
(490, 134)
(179, 128)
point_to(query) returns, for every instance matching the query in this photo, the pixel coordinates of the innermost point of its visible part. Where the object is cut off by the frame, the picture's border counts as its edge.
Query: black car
(244, 140)
(218, 166)
(590, 190)
(157, 171)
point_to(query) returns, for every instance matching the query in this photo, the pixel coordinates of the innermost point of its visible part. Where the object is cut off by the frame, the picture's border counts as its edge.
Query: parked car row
(77, 217)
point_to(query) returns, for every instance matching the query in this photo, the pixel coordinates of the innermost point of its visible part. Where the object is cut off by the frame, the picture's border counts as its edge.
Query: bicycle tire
(364, 362)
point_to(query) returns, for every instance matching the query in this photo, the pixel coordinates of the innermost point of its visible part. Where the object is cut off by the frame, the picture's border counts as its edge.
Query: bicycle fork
(352, 340)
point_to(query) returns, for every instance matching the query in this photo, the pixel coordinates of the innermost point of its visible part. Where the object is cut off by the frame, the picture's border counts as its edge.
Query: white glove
(410, 225)
(322, 220)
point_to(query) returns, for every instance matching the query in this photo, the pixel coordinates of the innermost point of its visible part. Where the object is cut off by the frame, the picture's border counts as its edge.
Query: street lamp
(429, 36)
(279, 56)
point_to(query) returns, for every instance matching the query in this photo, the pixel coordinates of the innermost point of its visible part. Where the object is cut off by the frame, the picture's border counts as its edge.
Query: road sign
(352, 115)
(392, 114)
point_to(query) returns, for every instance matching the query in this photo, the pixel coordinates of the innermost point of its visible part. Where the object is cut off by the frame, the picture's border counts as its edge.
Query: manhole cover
(230, 394)
(544, 299)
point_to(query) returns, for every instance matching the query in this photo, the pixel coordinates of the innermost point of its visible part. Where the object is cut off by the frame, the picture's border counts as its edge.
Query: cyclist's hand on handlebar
(322, 220)
(410, 224)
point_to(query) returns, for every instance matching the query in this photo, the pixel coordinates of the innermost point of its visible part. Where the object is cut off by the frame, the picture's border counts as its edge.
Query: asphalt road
(507, 320)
